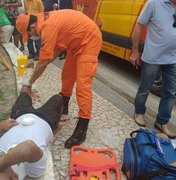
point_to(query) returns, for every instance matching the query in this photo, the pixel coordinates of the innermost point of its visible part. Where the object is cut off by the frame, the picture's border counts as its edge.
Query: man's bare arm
(136, 39)
(136, 36)
(39, 69)
(7, 124)
(26, 151)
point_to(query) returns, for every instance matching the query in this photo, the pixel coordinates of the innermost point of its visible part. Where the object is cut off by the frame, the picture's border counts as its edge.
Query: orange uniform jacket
(75, 32)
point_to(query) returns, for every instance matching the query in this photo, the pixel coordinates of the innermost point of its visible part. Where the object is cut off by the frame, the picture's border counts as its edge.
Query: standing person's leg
(21, 42)
(15, 32)
(17, 36)
(148, 75)
(85, 73)
(68, 80)
(16, 40)
(86, 65)
(31, 48)
(168, 99)
(84, 78)
(37, 46)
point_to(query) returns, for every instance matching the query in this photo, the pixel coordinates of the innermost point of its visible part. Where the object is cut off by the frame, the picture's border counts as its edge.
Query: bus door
(115, 17)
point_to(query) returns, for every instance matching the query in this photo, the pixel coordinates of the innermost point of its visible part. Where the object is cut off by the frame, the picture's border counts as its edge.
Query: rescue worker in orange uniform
(75, 32)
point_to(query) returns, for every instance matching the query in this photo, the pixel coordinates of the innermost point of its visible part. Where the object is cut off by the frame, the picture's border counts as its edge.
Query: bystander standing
(33, 7)
(159, 55)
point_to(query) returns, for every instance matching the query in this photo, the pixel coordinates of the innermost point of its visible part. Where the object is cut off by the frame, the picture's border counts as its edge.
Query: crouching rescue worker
(75, 32)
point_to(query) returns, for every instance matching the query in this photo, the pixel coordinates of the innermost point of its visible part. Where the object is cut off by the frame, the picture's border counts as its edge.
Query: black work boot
(79, 134)
(66, 100)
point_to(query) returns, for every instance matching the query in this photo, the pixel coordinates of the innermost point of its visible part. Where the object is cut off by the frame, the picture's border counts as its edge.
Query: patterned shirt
(12, 12)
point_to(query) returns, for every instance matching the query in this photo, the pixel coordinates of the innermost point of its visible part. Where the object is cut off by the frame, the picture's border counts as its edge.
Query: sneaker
(164, 129)
(139, 119)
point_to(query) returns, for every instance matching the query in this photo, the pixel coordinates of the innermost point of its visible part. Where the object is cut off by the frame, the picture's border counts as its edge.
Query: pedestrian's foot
(30, 57)
(139, 119)
(165, 129)
(36, 58)
(30, 65)
(21, 48)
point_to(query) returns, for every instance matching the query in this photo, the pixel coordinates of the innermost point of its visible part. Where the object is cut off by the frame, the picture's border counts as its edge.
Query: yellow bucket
(22, 62)
(93, 178)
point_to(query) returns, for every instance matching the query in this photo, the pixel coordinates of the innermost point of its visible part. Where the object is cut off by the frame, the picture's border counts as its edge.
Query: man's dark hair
(32, 20)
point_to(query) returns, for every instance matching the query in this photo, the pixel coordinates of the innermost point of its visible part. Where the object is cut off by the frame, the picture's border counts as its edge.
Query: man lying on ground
(24, 141)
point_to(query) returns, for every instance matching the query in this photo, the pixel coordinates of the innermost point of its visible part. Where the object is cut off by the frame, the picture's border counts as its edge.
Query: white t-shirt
(39, 132)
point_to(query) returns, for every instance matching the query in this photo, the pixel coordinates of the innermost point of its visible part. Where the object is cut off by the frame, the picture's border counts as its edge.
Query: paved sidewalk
(106, 118)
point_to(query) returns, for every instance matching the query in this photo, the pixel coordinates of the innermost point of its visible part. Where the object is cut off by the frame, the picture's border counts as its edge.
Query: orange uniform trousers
(80, 69)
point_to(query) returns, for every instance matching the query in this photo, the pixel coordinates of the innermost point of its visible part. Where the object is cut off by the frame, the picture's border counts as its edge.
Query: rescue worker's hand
(134, 58)
(26, 81)
(7, 124)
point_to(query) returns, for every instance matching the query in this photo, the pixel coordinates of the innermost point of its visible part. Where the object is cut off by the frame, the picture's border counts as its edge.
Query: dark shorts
(50, 112)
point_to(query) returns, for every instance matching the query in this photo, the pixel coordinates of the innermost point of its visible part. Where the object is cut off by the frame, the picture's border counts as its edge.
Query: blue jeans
(30, 46)
(168, 93)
